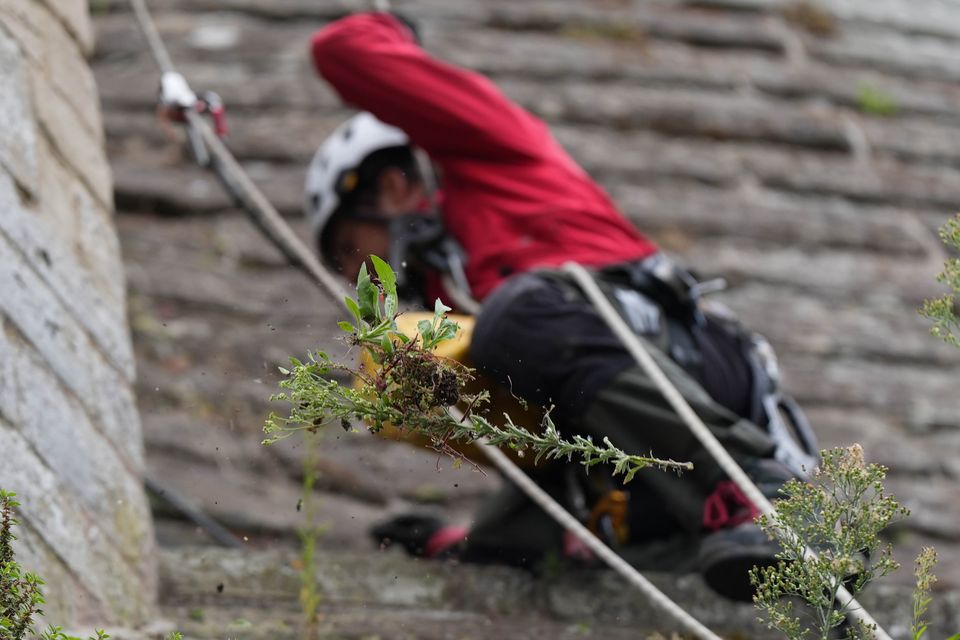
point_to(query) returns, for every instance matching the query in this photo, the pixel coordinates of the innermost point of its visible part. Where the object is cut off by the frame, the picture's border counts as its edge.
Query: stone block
(938, 18)
(18, 130)
(894, 52)
(798, 321)
(127, 86)
(844, 86)
(58, 519)
(626, 161)
(54, 56)
(593, 603)
(84, 226)
(834, 274)
(277, 10)
(54, 423)
(75, 17)
(257, 503)
(901, 391)
(42, 318)
(260, 136)
(22, 20)
(682, 112)
(71, 76)
(884, 182)
(81, 148)
(620, 21)
(63, 591)
(192, 190)
(124, 83)
(60, 93)
(549, 58)
(914, 139)
(69, 428)
(676, 204)
(97, 250)
(218, 290)
(75, 252)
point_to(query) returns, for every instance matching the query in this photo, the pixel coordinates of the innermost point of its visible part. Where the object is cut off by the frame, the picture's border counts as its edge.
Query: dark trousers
(539, 335)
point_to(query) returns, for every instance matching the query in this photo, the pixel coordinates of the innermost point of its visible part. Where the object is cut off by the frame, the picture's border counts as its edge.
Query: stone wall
(70, 441)
(805, 151)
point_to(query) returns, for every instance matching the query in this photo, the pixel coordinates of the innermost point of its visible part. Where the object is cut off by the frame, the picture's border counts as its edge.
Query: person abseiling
(511, 208)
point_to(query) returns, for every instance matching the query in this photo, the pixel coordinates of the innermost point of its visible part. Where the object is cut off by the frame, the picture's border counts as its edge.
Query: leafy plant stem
(413, 389)
(309, 532)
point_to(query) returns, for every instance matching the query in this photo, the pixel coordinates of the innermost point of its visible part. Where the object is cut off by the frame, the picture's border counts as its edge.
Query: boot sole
(728, 575)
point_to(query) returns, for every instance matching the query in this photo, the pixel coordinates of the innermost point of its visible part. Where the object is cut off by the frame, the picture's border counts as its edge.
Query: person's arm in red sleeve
(374, 64)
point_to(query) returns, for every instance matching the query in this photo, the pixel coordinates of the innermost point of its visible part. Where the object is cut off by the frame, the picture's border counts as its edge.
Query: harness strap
(635, 346)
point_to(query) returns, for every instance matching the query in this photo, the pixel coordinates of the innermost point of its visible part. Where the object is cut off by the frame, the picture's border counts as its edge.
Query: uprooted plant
(839, 514)
(414, 389)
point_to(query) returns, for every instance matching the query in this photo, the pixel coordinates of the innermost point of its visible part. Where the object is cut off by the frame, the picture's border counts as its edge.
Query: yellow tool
(501, 400)
(608, 519)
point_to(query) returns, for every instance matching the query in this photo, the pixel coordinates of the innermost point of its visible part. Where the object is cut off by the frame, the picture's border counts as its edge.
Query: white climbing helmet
(333, 170)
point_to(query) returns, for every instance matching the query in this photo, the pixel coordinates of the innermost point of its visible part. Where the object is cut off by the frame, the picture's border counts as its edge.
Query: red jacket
(512, 196)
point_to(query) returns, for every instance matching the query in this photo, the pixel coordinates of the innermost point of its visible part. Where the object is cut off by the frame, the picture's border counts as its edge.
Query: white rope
(270, 219)
(160, 54)
(266, 215)
(679, 404)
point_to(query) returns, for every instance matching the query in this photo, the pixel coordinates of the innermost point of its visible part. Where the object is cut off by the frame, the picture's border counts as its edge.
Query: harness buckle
(793, 437)
(608, 519)
(175, 92)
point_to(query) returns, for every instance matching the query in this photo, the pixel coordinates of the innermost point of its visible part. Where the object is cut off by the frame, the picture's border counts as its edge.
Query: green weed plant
(21, 593)
(840, 514)
(876, 102)
(942, 311)
(309, 533)
(415, 389)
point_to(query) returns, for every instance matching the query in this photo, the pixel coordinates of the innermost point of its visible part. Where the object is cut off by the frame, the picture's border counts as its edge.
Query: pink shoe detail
(444, 539)
(575, 549)
(727, 507)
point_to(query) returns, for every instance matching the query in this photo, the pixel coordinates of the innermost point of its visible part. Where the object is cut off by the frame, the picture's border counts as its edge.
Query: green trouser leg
(633, 413)
(510, 528)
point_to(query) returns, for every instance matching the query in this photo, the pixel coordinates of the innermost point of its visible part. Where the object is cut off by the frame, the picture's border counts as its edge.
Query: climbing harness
(272, 224)
(665, 304)
(635, 346)
(608, 518)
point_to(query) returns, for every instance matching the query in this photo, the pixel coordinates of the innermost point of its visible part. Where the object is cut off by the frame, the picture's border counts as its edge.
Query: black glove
(411, 531)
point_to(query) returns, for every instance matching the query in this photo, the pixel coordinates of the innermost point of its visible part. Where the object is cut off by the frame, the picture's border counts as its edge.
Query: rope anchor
(176, 97)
